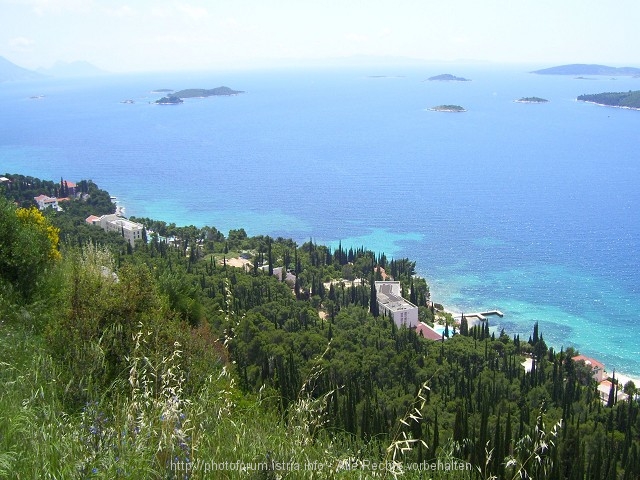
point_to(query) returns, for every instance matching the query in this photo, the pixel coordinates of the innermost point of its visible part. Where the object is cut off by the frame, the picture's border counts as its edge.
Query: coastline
(446, 110)
(259, 219)
(610, 106)
(622, 377)
(529, 101)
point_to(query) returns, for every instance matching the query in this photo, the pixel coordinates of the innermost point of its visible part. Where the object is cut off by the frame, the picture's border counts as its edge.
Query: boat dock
(481, 315)
(489, 313)
(477, 317)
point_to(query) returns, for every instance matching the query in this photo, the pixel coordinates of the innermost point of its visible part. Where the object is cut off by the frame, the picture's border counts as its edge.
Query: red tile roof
(427, 332)
(590, 362)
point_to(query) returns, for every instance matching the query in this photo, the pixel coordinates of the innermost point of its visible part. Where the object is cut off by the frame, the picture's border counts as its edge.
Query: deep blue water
(531, 209)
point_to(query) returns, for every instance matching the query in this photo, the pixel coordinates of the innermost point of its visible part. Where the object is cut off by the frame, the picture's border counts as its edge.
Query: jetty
(477, 318)
(480, 315)
(488, 313)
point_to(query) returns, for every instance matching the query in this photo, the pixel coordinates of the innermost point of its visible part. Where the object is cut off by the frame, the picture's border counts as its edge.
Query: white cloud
(160, 12)
(190, 11)
(43, 7)
(21, 44)
(183, 39)
(184, 10)
(356, 37)
(230, 23)
(124, 11)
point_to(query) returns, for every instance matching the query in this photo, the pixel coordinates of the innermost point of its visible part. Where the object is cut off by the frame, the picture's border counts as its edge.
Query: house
(44, 201)
(131, 231)
(92, 220)
(604, 389)
(4, 180)
(290, 278)
(391, 303)
(427, 332)
(71, 187)
(596, 367)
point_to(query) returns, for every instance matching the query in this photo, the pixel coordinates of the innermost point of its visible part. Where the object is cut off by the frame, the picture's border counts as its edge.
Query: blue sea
(532, 209)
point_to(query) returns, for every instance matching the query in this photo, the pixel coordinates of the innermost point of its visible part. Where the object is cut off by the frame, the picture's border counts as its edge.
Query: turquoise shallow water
(531, 209)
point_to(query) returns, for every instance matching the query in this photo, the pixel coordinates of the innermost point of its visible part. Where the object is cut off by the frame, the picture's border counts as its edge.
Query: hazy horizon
(168, 35)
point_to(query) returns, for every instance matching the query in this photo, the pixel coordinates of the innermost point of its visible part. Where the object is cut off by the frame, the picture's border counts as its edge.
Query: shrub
(28, 247)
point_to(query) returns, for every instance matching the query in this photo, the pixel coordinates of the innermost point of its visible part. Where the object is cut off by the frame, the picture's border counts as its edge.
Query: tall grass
(146, 426)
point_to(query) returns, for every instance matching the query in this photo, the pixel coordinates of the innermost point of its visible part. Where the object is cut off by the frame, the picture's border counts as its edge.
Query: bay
(530, 209)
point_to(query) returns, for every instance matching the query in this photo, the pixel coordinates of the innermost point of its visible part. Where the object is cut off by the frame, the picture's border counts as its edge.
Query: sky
(167, 35)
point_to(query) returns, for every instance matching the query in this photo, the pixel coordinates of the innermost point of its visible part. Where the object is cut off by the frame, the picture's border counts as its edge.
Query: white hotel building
(131, 231)
(391, 303)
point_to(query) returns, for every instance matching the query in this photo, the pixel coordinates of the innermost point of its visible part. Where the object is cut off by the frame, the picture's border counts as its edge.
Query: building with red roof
(596, 366)
(44, 201)
(427, 332)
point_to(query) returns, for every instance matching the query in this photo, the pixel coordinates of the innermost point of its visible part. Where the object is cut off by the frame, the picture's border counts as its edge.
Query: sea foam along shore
(610, 106)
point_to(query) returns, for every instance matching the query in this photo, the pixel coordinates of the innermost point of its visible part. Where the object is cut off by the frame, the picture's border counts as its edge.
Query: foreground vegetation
(164, 361)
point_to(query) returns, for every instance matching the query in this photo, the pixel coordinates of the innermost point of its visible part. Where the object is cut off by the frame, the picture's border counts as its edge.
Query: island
(531, 100)
(162, 90)
(203, 92)
(586, 69)
(169, 100)
(448, 108)
(447, 77)
(630, 99)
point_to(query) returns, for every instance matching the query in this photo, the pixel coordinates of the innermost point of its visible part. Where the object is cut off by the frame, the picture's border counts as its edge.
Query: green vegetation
(630, 99)
(177, 97)
(532, 100)
(448, 108)
(169, 100)
(142, 363)
(203, 92)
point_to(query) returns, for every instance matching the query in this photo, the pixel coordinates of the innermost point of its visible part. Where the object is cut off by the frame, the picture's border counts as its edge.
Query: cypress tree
(464, 326)
(270, 257)
(373, 300)
(436, 435)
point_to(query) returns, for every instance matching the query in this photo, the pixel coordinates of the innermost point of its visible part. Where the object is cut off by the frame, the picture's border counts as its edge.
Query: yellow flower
(32, 216)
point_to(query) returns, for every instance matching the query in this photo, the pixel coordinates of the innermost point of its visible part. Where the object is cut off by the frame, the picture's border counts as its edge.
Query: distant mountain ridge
(10, 72)
(588, 69)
